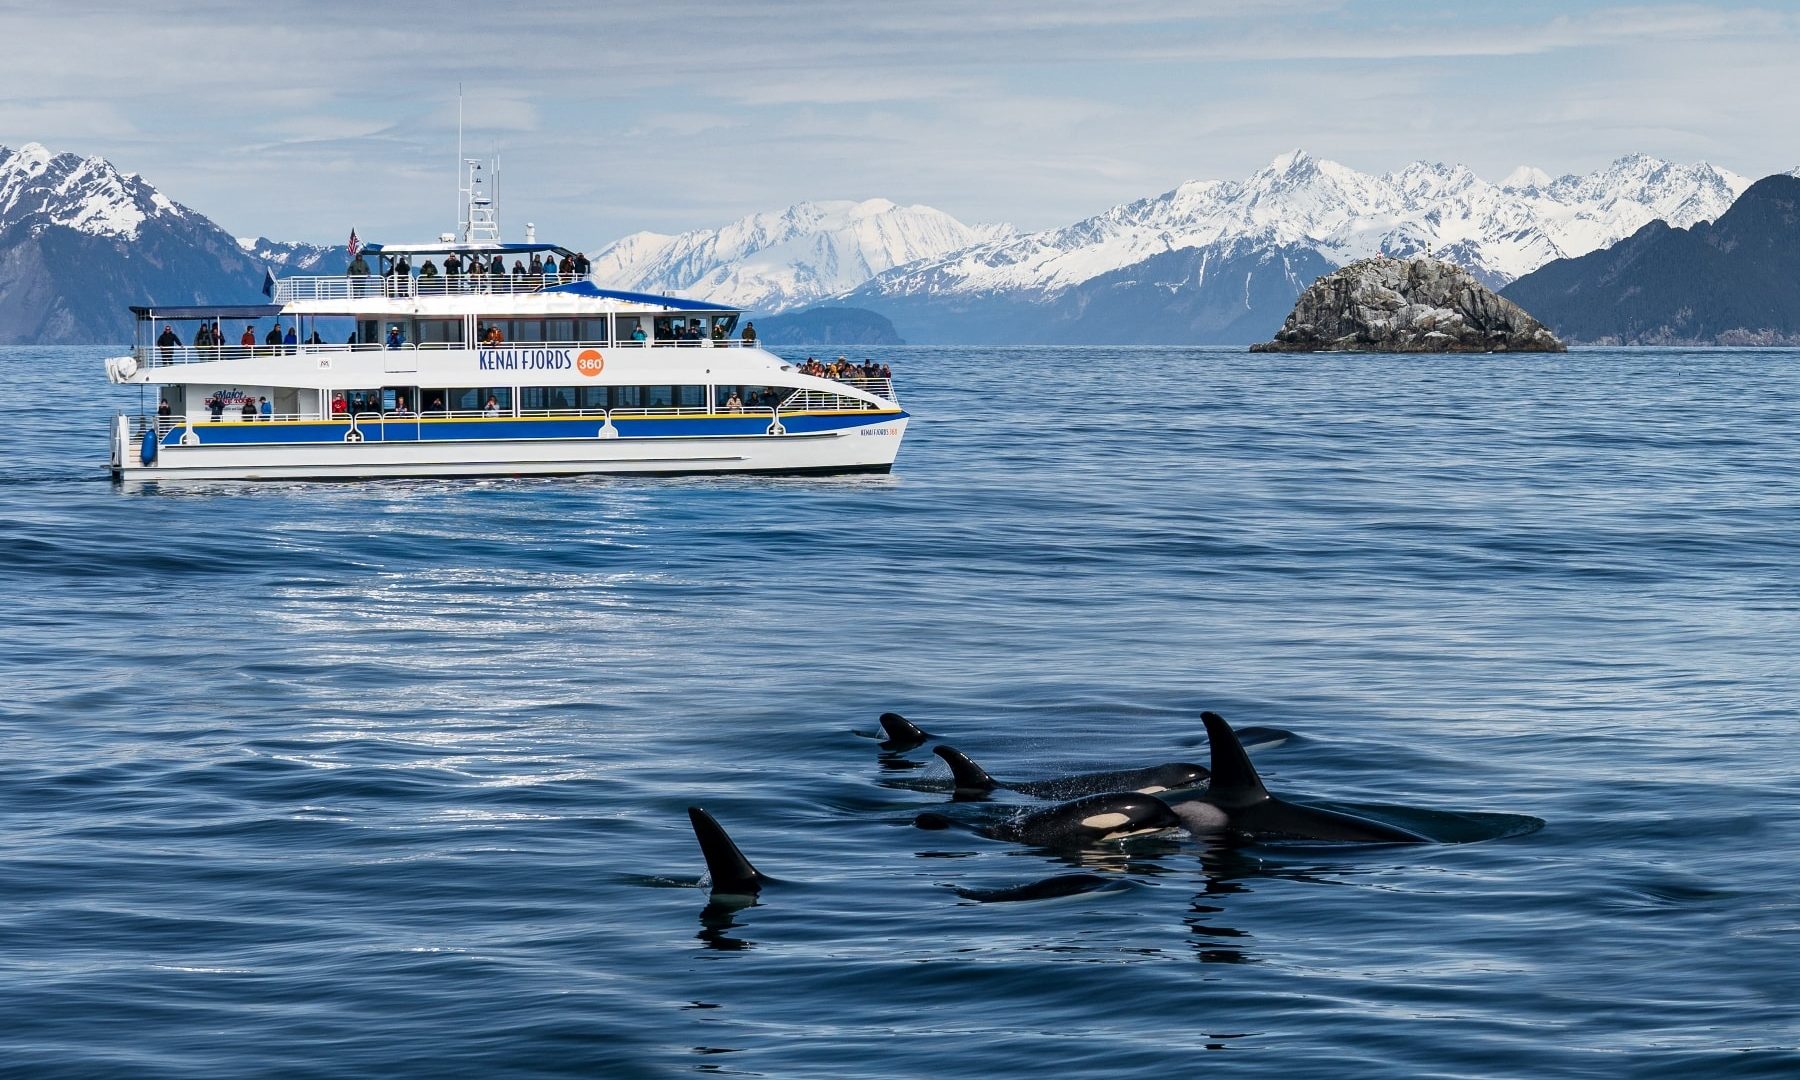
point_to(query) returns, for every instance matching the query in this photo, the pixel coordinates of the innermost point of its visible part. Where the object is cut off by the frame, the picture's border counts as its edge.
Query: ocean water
(390, 779)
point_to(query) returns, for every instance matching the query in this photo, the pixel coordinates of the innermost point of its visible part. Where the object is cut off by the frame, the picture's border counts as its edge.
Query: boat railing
(809, 400)
(151, 356)
(881, 388)
(396, 286)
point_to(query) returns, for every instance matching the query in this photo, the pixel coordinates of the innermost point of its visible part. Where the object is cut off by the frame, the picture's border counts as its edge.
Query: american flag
(355, 244)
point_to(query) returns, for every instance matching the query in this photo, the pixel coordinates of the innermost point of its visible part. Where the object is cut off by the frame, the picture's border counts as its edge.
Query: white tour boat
(454, 359)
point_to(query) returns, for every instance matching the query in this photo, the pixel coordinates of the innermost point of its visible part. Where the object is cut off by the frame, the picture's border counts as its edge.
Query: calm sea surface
(390, 779)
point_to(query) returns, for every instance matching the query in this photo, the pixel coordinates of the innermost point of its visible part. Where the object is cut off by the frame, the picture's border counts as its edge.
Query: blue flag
(268, 283)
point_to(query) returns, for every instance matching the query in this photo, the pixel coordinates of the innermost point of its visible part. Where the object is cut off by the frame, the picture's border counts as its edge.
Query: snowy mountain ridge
(788, 258)
(1497, 231)
(87, 195)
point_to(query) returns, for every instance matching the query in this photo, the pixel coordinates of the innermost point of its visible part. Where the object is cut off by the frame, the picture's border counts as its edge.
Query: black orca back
(1234, 779)
(902, 734)
(968, 775)
(731, 873)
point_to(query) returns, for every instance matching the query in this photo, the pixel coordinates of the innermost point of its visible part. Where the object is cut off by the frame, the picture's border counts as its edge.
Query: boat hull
(867, 446)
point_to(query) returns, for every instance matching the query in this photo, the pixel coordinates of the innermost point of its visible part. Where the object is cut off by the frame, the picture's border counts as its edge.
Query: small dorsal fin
(731, 873)
(1234, 779)
(969, 776)
(902, 734)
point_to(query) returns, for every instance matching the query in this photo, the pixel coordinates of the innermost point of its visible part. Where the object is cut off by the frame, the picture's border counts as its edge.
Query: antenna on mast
(459, 157)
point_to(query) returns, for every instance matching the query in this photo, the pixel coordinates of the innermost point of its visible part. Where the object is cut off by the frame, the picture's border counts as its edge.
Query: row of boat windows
(595, 330)
(534, 399)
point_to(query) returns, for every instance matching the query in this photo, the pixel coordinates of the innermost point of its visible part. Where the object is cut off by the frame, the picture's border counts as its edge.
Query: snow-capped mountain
(788, 258)
(295, 257)
(1497, 231)
(1298, 207)
(79, 241)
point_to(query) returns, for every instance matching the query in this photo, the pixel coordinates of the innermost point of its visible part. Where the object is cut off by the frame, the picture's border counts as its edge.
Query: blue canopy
(673, 303)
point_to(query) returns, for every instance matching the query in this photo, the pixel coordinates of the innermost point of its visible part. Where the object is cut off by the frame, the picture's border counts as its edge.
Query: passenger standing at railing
(536, 269)
(497, 266)
(202, 337)
(359, 266)
(492, 408)
(394, 340)
(291, 339)
(166, 342)
(218, 335)
(428, 277)
(637, 334)
(749, 335)
(315, 339)
(248, 412)
(248, 341)
(163, 409)
(273, 337)
(582, 267)
(216, 406)
(339, 407)
(266, 408)
(550, 269)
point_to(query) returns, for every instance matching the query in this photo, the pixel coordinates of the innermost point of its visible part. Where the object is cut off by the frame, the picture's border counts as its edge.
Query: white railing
(881, 388)
(375, 286)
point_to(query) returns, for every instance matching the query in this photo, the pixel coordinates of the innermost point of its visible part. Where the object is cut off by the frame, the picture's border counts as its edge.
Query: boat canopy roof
(459, 248)
(672, 303)
(209, 311)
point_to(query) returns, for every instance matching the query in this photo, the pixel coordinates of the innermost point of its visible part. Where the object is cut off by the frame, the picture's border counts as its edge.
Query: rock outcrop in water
(1407, 305)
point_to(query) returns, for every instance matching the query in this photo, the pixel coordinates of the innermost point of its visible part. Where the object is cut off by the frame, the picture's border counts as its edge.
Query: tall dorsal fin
(969, 776)
(731, 873)
(1234, 779)
(902, 734)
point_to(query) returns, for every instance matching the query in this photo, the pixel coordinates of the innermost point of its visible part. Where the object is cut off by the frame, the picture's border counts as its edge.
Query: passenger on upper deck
(359, 266)
(494, 337)
(581, 267)
(497, 265)
(452, 265)
(167, 341)
(249, 338)
(290, 338)
(749, 334)
(248, 411)
(428, 272)
(394, 338)
(315, 339)
(273, 337)
(518, 268)
(550, 268)
(492, 408)
(339, 407)
(537, 265)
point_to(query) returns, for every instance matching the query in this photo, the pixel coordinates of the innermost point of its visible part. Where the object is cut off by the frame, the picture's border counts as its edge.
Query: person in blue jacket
(394, 340)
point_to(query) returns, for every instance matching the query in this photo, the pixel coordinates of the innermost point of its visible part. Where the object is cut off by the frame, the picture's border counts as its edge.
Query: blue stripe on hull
(251, 433)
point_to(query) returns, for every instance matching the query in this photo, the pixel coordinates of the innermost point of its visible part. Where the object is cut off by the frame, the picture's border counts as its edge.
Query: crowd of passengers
(844, 368)
(542, 268)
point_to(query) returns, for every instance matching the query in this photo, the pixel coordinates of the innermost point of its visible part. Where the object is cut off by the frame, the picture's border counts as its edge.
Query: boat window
(473, 399)
(593, 332)
(440, 331)
(361, 401)
(559, 329)
(752, 397)
(546, 398)
(628, 325)
(688, 397)
(591, 397)
(625, 397)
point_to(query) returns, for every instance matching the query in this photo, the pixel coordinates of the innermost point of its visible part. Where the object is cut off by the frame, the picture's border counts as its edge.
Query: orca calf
(1236, 801)
(731, 873)
(1053, 888)
(973, 779)
(1092, 819)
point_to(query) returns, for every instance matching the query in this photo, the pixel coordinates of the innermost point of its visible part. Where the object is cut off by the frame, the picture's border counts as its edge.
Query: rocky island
(1407, 305)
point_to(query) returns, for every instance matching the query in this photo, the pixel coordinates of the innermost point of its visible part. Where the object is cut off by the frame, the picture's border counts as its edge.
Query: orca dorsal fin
(969, 776)
(902, 734)
(731, 873)
(1234, 779)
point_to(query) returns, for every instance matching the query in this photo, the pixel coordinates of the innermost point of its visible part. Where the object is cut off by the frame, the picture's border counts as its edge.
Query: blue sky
(302, 120)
